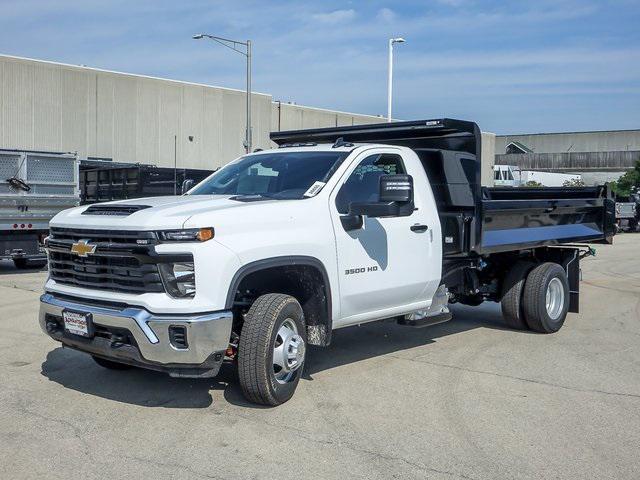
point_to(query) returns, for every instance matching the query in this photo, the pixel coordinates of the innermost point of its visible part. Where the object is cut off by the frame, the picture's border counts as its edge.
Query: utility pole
(175, 165)
(248, 141)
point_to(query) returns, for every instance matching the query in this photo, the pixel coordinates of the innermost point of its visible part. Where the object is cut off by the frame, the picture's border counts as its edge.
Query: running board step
(426, 321)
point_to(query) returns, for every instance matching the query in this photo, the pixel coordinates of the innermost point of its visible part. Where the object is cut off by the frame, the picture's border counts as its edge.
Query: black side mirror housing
(396, 188)
(395, 200)
(187, 185)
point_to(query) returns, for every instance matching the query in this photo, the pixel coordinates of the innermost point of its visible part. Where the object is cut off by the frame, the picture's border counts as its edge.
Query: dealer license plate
(78, 323)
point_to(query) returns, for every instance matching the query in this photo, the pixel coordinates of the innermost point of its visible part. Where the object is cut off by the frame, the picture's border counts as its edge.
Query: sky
(511, 66)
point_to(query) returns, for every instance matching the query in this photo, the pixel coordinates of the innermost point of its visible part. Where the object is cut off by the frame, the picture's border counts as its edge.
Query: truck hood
(157, 212)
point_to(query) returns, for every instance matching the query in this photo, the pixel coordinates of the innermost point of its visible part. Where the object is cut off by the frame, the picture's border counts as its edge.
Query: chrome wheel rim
(555, 298)
(288, 352)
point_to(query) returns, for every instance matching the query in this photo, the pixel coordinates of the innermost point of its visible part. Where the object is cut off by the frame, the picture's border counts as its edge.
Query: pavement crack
(174, 466)
(16, 287)
(77, 432)
(354, 448)
(522, 379)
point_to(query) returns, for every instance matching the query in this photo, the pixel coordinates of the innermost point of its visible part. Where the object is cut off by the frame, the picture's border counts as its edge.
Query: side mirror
(187, 185)
(396, 188)
(396, 199)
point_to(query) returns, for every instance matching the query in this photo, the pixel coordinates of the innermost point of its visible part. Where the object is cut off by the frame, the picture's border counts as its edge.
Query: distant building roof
(517, 147)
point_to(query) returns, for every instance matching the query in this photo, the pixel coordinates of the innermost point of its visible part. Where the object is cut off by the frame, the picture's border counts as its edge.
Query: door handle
(419, 228)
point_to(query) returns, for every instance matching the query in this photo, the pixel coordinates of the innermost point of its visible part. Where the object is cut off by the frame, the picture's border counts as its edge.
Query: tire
(511, 298)
(109, 364)
(23, 263)
(20, 263)
(38, 264)
(547, 280)
(269, 322)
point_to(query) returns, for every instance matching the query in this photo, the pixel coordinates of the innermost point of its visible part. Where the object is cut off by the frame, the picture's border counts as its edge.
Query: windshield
(281, 175)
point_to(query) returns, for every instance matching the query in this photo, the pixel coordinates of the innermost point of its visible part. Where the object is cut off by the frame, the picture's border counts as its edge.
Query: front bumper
(137, 337)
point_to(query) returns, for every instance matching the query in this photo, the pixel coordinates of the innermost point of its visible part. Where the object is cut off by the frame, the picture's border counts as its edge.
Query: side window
(363, 185)
(496, 175)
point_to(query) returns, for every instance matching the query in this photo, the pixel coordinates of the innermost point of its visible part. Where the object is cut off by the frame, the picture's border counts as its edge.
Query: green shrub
(628, 182)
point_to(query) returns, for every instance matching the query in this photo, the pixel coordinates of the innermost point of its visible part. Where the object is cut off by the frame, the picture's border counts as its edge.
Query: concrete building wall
(132, 118)
(127, 118)
(488, 158)
(606, 141)
(286, 116)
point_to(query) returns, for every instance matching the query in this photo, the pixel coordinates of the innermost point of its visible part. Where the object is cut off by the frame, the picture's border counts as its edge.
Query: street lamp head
(398, 40)
(198, 36)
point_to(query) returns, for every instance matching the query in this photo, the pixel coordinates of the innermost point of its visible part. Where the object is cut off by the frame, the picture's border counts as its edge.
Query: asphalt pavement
(468, 399)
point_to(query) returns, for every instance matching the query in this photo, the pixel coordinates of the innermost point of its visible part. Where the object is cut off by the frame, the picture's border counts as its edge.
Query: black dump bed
(119, 181)
(476, 219)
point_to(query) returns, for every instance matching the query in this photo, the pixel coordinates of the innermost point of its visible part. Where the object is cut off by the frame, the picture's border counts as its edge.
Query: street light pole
(248, 137)
(233, 45)
(390, 71)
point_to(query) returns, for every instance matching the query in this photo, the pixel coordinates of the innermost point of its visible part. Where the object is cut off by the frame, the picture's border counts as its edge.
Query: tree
(628, 182)
(574, 182)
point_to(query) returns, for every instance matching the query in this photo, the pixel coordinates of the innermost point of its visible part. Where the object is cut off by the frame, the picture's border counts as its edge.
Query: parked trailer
(34, 187)
(628, 213)
(120, 182)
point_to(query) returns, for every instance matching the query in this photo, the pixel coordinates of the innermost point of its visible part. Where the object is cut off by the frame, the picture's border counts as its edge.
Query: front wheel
(272, 348)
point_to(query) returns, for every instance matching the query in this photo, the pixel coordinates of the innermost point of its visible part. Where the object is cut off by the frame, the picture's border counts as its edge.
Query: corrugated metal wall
(620, 140)
(572, 162)
(130, 118)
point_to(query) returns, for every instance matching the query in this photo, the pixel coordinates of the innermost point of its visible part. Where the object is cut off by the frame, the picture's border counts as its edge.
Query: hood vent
(114, 210)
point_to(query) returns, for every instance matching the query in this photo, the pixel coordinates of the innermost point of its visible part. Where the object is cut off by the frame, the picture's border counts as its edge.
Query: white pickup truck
(336, 227)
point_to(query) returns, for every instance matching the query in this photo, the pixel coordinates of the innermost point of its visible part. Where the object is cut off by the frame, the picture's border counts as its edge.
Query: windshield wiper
(254, 197)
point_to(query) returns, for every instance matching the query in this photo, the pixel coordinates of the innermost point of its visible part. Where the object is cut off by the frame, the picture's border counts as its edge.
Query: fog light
(178, 337)
(179, 279)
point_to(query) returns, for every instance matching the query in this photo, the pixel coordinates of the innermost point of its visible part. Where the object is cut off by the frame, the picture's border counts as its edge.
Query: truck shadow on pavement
(147, 388)
(355, 344)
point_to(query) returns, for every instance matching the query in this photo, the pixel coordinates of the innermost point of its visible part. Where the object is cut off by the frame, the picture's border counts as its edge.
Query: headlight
(179, 279)
(187, 235)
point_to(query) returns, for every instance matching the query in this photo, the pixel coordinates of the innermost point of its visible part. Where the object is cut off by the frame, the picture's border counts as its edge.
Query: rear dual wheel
(546, 298)
(512, 289)
(536, 297)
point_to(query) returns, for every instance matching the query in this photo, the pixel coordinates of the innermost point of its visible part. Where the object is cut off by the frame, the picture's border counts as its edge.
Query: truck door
(390, 265)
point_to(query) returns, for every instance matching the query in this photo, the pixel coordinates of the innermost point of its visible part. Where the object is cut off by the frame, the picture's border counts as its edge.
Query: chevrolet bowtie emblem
(82, 248)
